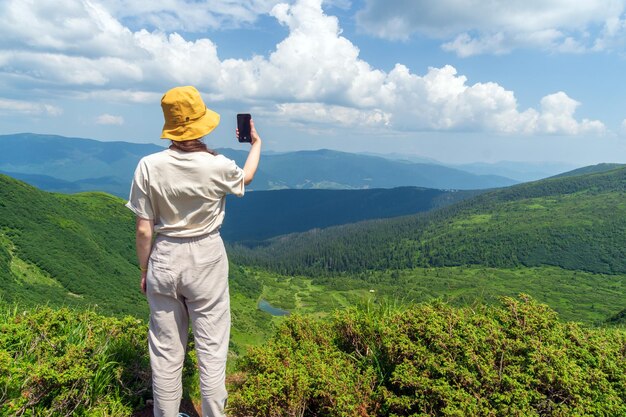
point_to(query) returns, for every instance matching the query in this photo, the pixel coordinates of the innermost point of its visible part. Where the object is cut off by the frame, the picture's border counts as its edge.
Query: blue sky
(454, 80)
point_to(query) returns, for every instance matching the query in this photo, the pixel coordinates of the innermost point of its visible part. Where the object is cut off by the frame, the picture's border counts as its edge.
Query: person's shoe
(182, 415)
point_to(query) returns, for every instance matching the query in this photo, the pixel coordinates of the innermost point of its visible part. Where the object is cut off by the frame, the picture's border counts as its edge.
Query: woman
(178, 194)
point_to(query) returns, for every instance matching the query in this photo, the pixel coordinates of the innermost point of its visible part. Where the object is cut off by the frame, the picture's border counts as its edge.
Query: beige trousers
(188, 279)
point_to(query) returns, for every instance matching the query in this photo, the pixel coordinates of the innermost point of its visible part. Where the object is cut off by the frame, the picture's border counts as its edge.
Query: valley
(557, 240)
(551, 249)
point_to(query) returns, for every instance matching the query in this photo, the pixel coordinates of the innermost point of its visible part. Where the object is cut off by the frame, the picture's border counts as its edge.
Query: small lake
(268, 308)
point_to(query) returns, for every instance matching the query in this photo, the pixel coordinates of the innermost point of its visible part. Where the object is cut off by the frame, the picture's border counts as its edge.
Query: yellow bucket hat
(186, 115)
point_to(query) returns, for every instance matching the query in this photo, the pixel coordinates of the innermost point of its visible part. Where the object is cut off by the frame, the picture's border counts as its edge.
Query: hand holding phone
(244, 133)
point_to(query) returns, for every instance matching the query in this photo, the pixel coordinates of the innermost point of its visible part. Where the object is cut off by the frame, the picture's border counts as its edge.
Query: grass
(61, 362)
(577, 296)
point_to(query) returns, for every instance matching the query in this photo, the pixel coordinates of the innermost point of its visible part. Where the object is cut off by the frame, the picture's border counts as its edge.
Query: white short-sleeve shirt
(184, 192)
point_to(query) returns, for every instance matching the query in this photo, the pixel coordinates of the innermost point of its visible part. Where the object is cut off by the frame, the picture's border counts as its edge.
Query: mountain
(589, 170)
(61, 164)
(340, 170)
(519, 171)
(70, 159)
(407, 158)
(45, 182)
(110, 184)
(574, 222)
(78, 250)
(264, 214)
(515, 170)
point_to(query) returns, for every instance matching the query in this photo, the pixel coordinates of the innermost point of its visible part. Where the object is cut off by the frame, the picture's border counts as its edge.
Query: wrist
(143, 268)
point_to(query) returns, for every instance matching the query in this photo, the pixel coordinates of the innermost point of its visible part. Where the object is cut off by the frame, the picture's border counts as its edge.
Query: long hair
(195, 145)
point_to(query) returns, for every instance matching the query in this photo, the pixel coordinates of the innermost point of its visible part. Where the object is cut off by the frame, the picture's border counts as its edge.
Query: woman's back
(184, 191)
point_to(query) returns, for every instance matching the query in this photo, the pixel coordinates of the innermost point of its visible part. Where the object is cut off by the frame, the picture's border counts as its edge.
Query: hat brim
(194, 129)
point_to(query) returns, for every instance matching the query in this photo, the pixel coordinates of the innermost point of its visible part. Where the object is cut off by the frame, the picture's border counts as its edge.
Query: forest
(575, 223)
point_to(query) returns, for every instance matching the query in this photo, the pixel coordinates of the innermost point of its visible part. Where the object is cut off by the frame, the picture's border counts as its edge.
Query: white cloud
(315, 74)
(624, 125)
(117, 95)
(557, 116)
(499, 26)
(328, 116)
(9, 106)
(188, 15)
(109, 119)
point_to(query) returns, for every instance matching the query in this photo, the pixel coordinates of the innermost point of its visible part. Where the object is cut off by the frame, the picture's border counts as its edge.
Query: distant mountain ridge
(57, 163)
(519, 171)
(592, 169)
(515, 170)
(330, 169)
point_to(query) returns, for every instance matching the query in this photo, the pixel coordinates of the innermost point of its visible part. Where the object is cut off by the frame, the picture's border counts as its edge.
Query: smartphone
(243, 124)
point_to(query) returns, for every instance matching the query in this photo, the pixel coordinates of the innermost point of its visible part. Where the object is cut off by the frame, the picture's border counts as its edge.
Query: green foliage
(301, 372)
(618, 319)
(83, 245)
(516, 359)
(249, 324)
(575, 295)
(65, 362)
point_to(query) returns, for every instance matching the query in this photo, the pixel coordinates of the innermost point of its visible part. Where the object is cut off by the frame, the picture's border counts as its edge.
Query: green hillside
(75, 250)
(576, 223)
(79, 250)
(594, 299)
(590, 170)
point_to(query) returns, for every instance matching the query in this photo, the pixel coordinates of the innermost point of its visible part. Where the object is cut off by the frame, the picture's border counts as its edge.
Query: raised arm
(252, 162)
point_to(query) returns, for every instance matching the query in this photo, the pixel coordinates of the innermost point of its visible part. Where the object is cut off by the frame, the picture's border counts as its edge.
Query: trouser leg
(210, 318)
(211, 334)
(167, 342)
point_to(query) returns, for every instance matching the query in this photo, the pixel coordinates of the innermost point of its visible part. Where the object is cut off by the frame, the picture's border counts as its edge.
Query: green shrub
(516, 359)
(301, 370)
(71, 363)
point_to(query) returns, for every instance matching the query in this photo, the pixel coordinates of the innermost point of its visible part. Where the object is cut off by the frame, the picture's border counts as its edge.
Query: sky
(458, 81)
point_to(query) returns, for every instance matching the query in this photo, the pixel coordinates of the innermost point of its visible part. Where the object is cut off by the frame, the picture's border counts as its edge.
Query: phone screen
(243, 124)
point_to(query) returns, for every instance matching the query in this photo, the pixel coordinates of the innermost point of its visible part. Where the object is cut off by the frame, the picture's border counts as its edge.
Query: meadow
(575, 295)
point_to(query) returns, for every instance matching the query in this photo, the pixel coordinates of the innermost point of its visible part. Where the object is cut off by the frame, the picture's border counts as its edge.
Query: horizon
(416, 159)
(527, 83)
